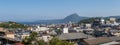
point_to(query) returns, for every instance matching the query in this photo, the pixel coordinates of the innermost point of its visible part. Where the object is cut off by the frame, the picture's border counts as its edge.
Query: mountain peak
(75, 15)
(71, 18)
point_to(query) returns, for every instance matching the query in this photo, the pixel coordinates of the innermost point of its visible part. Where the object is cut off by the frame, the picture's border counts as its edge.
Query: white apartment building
(41, 28)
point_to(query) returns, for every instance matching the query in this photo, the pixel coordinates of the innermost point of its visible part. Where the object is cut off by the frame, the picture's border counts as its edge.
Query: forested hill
(11, 24)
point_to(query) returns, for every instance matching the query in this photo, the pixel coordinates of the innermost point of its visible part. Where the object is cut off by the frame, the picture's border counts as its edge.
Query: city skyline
(29, 10)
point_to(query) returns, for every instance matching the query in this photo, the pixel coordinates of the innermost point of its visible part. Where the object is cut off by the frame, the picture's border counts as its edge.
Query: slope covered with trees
(11, 24)
(88, 20)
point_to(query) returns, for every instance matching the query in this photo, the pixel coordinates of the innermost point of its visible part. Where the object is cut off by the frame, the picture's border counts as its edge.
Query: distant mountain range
(71, 18)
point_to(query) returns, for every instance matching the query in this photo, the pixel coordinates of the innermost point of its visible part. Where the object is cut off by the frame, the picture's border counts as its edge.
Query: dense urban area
(90, 31)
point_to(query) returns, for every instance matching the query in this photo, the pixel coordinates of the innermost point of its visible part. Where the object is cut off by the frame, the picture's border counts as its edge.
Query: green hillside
(88, 20)
(11, 24)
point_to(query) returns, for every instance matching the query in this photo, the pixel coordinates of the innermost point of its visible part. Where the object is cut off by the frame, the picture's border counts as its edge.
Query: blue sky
(31, 10)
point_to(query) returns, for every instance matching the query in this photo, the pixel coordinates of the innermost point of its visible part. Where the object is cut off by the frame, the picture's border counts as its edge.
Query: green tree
(56, 41)
(32, 40)
(26, 41)
(11, 24)
(58, 31)
(41, 42)
(88, 20)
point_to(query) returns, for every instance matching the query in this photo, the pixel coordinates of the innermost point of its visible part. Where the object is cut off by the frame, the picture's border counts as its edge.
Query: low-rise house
(88, 31)
(24, 35)
(73, 36)
(41, 29)
(10, 35)
(114, 38)
(46, 38)
(7, 34)
(111, 43)
(7, 40)
(21, 35)
(115, 32)
(1, 29)
(88, 25)
(53, 32)
(97, 41)
(78, 29)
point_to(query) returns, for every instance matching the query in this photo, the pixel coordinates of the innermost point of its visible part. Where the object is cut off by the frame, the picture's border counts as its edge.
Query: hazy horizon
(31, 10)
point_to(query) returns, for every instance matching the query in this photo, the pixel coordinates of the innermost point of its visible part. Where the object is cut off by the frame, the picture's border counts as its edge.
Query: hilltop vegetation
(11, 24)
(88, 20)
